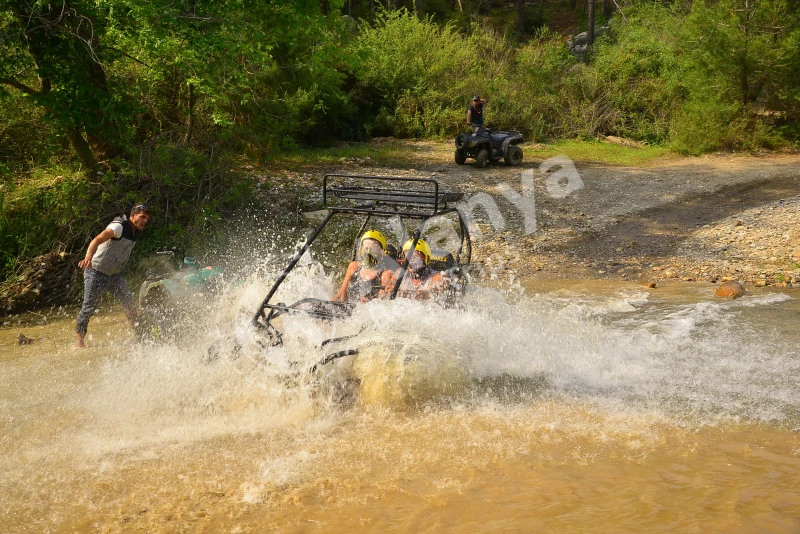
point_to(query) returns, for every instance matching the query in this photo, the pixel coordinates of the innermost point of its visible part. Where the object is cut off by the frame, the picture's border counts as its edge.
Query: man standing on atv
(105, 258)
(368, 275)
(475, 114)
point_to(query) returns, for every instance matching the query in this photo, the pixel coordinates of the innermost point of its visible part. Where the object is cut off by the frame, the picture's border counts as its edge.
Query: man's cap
(139, 208)
(475, 98)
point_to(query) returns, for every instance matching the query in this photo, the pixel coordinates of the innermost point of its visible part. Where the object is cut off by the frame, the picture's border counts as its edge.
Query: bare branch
(17, 85)
(620, 11)
(129, 56)
(195, 17)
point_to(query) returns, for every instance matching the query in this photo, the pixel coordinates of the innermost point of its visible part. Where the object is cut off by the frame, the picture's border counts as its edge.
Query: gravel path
(711, 219)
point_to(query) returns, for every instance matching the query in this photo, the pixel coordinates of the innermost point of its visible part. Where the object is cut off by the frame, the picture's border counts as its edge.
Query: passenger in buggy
(368, 276)
(420, 281)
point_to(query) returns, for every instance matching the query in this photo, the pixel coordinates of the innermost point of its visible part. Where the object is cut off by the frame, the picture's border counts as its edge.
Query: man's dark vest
(112, 255)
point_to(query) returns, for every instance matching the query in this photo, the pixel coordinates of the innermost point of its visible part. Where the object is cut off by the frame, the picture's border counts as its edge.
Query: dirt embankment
(712, 218)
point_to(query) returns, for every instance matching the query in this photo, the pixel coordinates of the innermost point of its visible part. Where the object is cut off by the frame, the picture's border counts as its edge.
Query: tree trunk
(590, 33)
(520, 18)
(100, 132)
(81, 148)
(190, 121)
(744, 72)
(82, 71)
(419, 5)
(608, 7)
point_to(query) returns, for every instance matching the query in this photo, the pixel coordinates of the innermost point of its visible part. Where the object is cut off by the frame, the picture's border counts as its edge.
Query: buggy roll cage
(374, 196)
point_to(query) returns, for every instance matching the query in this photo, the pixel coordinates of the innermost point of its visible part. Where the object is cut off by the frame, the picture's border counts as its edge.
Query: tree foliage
(165, 96)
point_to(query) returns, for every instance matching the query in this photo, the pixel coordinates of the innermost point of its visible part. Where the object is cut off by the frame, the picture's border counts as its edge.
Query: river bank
(665, 219)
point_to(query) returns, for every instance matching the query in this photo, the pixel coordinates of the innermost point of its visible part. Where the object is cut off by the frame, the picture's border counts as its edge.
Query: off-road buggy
(489, 145)
(374, 197)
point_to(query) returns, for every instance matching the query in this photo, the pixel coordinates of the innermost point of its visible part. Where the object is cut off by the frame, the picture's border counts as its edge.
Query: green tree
(92, 65)
(52, 53)
(738, 54)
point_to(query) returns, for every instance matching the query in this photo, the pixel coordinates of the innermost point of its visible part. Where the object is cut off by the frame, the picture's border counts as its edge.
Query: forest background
(108, 102)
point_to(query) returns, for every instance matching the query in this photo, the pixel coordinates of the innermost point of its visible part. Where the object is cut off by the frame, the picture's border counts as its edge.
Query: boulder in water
(730, 290)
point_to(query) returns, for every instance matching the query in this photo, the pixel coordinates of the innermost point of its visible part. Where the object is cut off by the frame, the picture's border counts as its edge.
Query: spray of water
(692, 362)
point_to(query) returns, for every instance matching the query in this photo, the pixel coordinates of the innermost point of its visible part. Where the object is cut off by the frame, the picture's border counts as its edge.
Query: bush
(641, 75)
(63, 208)
(735, 55)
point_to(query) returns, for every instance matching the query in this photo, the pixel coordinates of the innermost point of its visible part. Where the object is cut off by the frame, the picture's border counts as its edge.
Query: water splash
(695, 362)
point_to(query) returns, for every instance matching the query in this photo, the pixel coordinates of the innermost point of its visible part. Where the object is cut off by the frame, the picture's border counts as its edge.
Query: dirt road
(690, 219)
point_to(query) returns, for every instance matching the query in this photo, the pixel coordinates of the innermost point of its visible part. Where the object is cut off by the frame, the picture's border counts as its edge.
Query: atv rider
(367, 277)
(475, 114)
(420, 281)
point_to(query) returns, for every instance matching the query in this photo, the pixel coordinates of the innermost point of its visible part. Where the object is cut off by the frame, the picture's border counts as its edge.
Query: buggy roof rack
(386, 195)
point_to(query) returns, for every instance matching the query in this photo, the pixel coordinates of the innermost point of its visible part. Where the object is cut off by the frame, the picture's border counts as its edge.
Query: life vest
(364, 288)
(476, 117)
(416, 282)
(112, 255)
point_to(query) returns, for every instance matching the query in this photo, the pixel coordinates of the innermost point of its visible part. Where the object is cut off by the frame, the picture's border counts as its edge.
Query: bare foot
(79, 341)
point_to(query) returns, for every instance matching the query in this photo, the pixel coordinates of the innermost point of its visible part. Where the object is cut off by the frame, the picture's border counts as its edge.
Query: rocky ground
(707, 219)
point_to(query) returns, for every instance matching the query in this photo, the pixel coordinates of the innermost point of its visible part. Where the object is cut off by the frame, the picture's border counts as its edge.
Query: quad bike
(488, 145)
(166, 298)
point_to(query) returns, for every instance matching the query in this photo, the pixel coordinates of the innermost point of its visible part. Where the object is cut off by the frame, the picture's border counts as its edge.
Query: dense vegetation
(106, 102)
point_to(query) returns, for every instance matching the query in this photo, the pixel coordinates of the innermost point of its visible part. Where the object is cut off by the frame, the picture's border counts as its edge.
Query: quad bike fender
(506, 144)
(151, 290)
(482, 145)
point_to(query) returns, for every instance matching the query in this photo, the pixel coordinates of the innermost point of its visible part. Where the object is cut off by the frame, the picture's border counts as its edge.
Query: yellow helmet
(376, 235)
(422, 246)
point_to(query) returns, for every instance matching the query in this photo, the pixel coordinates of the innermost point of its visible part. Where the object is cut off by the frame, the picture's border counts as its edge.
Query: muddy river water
(559, 407)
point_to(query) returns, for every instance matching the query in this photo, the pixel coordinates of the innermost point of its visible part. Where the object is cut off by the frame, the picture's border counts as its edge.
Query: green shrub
(641, 75)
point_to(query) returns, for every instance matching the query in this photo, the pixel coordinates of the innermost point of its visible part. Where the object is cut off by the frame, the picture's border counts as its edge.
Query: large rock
(578, 44)
(580, 39)
(730, 290)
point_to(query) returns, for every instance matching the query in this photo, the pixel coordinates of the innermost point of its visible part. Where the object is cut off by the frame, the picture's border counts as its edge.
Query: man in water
(367, 277)
(475, 114)
(420, 281)
(105, 258)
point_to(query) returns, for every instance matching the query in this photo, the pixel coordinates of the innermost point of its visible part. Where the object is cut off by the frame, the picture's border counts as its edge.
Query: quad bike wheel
(460, 157)
(481, 159)
(155, 311)
(461, 141)
(513, 156)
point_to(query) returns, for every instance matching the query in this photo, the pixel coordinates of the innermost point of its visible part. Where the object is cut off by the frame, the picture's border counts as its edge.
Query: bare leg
(131, 316)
